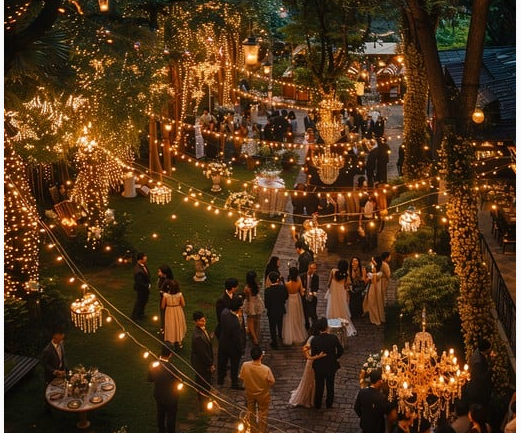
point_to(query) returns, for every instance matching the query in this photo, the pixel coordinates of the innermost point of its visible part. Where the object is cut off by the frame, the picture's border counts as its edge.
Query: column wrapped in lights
(86, 313)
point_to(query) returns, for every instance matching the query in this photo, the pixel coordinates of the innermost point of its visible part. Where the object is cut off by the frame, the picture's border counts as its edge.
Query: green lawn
(163, 239)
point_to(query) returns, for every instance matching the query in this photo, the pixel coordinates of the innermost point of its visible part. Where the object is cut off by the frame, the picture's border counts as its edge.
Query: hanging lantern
(86, 313)
(266, 68)
(251, 50)
(103, 5)
(478, 116)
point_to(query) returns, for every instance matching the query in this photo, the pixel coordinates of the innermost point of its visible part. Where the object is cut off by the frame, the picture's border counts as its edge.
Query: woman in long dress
(338, 295)
(293, 329)
(374, 299)
(164, 273)
(175, 321)
(304, 395)
(358, 280)
(253, 306)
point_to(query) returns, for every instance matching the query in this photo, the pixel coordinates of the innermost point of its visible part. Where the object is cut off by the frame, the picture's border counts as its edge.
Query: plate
(96, 399)
(74, 404)
(107, 386)
(57, 381)
(56, 396)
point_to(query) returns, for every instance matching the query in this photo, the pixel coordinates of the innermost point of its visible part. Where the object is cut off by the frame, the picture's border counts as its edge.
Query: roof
(379, 48)
(497, 84)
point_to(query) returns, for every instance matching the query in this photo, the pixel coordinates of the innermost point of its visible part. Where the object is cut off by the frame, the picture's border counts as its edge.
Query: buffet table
(101, 390)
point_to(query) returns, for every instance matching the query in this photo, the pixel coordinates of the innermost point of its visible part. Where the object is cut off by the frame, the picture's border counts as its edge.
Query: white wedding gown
(305, 392)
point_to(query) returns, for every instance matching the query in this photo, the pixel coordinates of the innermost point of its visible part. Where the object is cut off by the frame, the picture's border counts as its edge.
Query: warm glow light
(478, 116)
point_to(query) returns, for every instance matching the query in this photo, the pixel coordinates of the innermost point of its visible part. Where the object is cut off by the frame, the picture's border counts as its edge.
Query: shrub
(411, 263)
(411, 198)
(429, 286)
(414, 242)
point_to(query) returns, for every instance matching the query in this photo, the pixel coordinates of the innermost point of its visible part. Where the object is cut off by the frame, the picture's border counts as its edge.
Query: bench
(22, 366)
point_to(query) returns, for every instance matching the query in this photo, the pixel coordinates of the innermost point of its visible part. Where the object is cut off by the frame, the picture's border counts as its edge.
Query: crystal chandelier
(160, 194)
(314, 236)
(421, 381)
(86, 313)
(330, 131)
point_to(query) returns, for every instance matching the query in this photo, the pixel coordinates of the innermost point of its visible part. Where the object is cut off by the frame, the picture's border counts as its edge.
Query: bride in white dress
(305, 393)
(337, 297)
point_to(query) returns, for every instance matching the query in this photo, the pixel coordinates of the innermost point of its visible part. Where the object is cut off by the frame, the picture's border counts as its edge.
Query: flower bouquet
(240, 200)
(206, 255)
(373, 363)
(217, 168)
(79, 380)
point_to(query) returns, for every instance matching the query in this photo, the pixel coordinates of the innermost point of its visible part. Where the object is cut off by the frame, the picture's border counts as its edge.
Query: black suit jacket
(231, 334)
(314, 282)
(51, 361)
(201, 357)
(275, 299)
(329, 344)
(223, 302)
(165, 390)
(141, 278)
(370, 407)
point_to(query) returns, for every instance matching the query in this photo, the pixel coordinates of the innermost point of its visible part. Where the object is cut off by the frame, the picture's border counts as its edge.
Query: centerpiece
(215, 171)
(373, 362)
(79, 380)
(202, 257)
(241, 200)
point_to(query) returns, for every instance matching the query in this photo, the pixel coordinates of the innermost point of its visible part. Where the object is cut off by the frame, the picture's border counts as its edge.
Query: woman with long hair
(175, 321)
(304, 395)
(338, 295)
(164, 273)
(293, 329)
(253, 306)
(273, 265)
(374, 299)
(358, 281)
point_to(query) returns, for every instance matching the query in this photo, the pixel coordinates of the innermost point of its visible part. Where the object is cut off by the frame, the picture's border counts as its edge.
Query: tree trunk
(475, 300)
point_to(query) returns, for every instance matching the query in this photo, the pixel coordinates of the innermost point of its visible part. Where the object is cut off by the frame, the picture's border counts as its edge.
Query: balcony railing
(505, 306)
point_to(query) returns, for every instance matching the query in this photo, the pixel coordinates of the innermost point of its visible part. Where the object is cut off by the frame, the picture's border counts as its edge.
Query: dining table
(100, 390)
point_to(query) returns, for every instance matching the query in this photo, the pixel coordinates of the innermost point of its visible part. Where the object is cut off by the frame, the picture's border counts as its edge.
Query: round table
(101, 390)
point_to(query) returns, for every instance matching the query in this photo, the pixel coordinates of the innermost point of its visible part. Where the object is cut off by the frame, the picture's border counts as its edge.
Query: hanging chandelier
(160, 194)
(421, 381)
(86, 313)
(314, 236)
(330, 130)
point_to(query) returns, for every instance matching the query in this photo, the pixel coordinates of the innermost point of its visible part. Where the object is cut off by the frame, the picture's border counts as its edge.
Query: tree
(453, 115)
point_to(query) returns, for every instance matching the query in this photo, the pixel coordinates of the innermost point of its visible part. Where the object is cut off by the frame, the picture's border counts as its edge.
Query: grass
(163, 239)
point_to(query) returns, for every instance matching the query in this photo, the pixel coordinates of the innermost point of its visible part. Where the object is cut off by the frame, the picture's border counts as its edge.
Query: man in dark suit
(53, 360)
(370, 405)
(201, 358)
(230, 344)
(368, 127)
(225, 301)
(309, 300)
(141, 286)
(304, 256)
(162, 373)
(326, 367)
(275, 297)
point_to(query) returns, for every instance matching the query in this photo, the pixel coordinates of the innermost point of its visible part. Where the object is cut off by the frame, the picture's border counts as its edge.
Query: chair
(507, 241)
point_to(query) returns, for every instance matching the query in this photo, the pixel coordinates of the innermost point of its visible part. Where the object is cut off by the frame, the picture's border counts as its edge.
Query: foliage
(410, 263)
(452, 33)
(290, 155)
(414, 242)
(428, 286)
(411, 197)
(16, 319)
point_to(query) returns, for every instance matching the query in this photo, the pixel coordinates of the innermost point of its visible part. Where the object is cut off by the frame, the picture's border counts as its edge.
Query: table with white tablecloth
(271, 196)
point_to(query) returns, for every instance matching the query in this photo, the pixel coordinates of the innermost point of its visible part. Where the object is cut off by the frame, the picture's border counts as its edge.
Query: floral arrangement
(217, 168)
(79, 379)
(373, 362)
(204, 254)
(240, 200)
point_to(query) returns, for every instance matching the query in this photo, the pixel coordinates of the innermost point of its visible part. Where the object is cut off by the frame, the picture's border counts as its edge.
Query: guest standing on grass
(258, 380)
(53, 360)
(163, 273)
(141, 286)
(175, 321)
(201, 358)
(325, 367)
(162, 374)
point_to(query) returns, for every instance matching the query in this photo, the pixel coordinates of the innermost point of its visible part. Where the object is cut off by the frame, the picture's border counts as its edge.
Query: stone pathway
(287, 363)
